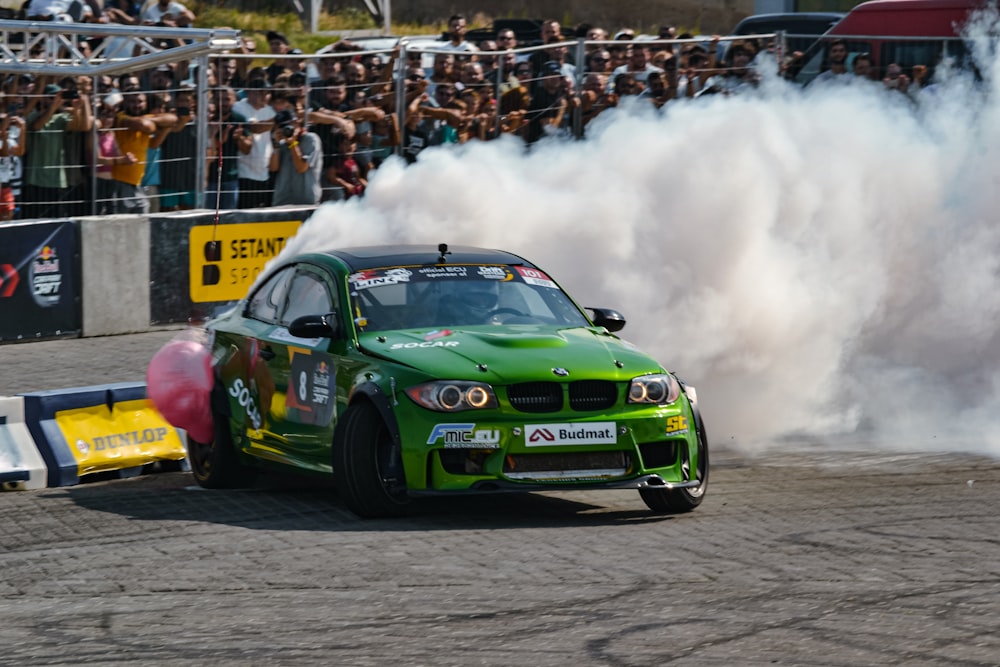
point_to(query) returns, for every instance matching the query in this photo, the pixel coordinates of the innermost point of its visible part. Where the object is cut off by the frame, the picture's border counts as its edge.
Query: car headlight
(453, 395)
(659, 389)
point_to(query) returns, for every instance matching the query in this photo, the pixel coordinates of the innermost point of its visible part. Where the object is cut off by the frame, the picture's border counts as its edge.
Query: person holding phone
(46, 179)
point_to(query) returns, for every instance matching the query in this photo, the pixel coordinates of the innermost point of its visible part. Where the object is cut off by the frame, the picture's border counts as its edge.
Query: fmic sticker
(464, 436)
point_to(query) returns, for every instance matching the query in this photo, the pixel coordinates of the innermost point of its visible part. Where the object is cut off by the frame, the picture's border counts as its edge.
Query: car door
(298, 428)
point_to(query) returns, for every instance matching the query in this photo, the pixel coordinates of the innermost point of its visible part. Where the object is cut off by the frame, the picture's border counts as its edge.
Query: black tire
(215, 464)
(679, 501)
(368, 465)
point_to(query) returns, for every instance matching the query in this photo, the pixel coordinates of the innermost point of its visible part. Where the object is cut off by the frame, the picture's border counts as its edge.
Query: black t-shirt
(230, 149)
(177, 171)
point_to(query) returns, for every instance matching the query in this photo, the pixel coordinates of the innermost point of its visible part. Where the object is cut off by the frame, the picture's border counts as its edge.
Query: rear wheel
(215, 464)
(368, 465)
(679, 501)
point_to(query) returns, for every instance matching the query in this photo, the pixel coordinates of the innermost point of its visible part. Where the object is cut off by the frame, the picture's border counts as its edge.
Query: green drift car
(409, 370)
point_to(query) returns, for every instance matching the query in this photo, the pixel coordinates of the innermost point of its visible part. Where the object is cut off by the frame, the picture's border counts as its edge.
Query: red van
(907, 32)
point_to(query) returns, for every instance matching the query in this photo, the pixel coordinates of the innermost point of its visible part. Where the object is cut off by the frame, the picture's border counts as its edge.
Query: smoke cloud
(822, 263)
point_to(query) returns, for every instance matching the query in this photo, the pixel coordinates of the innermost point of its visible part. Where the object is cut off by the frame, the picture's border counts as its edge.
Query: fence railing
(210, 105)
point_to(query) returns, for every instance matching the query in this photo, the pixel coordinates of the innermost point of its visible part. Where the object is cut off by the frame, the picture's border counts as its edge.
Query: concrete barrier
(122, 274)
(21, 464)
(115, 275)
(97, 429)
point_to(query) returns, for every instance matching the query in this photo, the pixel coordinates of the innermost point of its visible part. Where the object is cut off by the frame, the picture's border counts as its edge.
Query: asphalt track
(807, 558)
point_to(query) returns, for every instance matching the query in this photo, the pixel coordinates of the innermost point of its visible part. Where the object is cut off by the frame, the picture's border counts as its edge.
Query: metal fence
(208, 103)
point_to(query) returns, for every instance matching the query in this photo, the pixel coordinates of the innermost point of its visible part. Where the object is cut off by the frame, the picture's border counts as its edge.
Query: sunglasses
(416, 77)
(599, 60)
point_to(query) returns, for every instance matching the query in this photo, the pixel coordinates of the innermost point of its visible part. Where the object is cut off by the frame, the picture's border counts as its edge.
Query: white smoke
(819, 262)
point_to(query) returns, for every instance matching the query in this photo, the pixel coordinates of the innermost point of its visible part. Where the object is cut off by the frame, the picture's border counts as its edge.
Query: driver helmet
(470, 301)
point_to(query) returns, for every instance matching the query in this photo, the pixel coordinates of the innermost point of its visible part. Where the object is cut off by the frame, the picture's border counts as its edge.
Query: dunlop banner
(131, 435)
(39, 280)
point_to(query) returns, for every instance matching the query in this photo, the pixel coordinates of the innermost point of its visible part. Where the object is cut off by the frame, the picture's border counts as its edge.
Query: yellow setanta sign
(131, 435)
(226, 259)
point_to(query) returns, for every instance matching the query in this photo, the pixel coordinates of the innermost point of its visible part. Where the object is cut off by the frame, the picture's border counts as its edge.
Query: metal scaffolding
(56, 49)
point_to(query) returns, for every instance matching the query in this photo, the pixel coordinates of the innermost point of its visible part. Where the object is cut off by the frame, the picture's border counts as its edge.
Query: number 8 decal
(303, 386)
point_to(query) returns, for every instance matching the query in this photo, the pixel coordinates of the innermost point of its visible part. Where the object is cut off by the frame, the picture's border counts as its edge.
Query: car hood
(514, 354)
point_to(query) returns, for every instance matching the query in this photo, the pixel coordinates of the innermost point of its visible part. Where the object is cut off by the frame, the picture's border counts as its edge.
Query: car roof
(371, 257)
(798, 22)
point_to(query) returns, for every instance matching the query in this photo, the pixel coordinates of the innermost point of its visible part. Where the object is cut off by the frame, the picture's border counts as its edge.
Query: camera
(183, 111)
(288, 130)
(69, 94)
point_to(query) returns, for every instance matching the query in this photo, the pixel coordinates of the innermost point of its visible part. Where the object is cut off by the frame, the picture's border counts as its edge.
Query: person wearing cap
(698, 68)
(162, 78)
(278, 44)
(549, 103)
(297, 162)
(255, 167)
(327, 67)
(168, 13)
(108, 152)
(229, 137)
(47, 186)
(177, 153)
(20, 91)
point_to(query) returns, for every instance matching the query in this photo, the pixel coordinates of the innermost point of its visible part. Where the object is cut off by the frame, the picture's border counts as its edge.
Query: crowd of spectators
(284, 128)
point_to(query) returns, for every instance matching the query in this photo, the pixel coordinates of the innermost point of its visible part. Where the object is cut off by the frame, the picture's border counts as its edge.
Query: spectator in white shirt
(255, 167)
(168, 13)
(65, 11)
(456, 34)
(638, 64)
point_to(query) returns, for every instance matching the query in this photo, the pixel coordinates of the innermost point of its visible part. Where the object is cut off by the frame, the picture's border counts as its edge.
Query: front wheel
(679, 501)
(215, 464)
(368, 465)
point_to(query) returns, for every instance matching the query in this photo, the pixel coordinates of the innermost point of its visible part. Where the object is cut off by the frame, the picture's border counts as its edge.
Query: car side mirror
(315, 326)
(610, 319)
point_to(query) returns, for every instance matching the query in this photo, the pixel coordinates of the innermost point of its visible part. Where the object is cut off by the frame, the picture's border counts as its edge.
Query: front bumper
(507, 486)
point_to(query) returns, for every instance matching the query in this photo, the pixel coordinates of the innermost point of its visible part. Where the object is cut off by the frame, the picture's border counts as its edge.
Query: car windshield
(415, 297)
